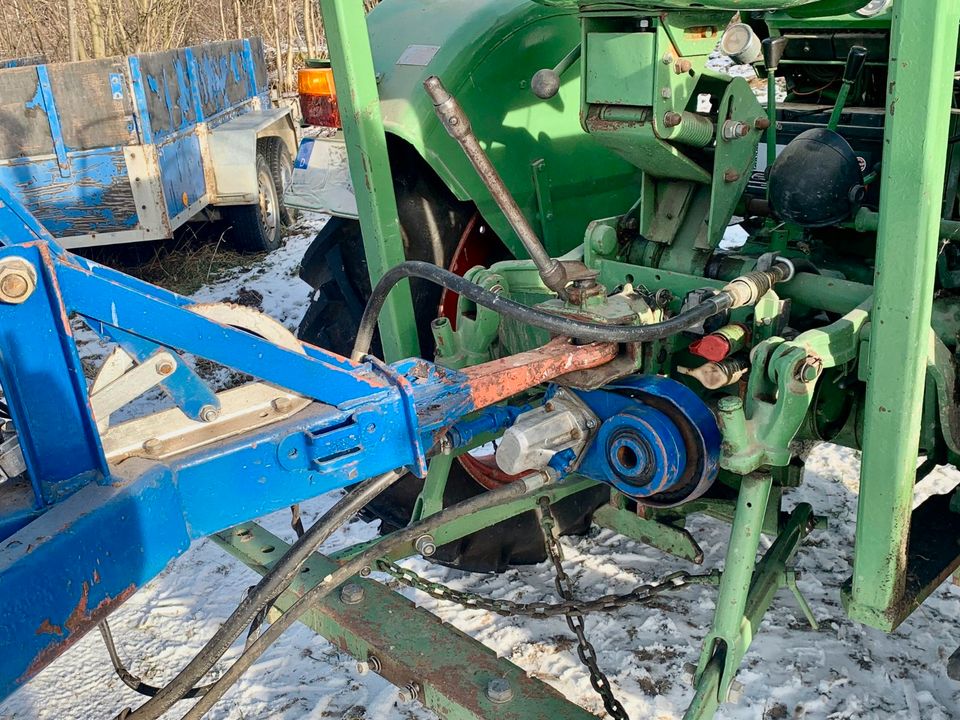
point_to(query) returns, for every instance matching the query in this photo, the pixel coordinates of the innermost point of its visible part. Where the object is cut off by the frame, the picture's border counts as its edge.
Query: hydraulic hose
(528, 484)
(744, 290)
(133, 682)
(271, 584)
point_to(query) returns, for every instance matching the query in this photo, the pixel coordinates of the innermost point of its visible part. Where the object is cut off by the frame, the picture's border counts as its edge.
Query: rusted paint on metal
(48, 628)
(500, 379)
(80, 621)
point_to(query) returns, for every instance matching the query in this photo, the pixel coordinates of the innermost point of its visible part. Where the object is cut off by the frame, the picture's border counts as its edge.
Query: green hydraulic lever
(856, 59)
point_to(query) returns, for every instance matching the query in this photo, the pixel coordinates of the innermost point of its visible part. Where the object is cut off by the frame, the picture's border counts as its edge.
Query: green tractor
(788, 264)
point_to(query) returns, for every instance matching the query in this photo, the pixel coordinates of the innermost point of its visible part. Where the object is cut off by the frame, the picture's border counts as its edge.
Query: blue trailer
(120, 150)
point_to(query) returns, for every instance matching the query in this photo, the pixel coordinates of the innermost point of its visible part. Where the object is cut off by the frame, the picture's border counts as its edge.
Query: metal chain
(586, 651)
(571, 608)
(510, 608)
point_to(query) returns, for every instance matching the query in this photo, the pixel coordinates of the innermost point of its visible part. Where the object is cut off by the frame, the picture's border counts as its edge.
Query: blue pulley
(658, 442)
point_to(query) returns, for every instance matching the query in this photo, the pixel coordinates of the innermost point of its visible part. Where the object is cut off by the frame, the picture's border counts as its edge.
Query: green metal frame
(350, 57)
(922, 65)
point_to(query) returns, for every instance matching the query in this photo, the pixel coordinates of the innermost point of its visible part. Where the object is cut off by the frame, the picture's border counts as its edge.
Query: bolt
(666, 93)
(208, 413)
(761, 123)
(425, 545)
(372, 664)
(809, 369)
(731, 175)
(499, 691)
(667, 59)
(365, 571)
(409, 692)
(682, 67)
(18, 280)
(734, 129)
(165, 367)
(672, 119)
(282, 404)
(591, 423)
(153, 446)
(446, 445)
(351, 594)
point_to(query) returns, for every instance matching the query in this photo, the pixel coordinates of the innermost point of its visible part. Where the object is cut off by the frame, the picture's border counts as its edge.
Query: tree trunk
(73, 31)
(291, 35)
(95, 18)
(276, 45)
(308, 28)
(223, 20)
(239, 18)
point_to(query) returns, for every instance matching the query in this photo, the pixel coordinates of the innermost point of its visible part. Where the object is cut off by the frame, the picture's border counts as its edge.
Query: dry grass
(194, 258)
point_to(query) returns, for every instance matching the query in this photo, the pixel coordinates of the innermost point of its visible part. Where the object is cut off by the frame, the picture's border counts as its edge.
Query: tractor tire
(258, 227)
(432, 223)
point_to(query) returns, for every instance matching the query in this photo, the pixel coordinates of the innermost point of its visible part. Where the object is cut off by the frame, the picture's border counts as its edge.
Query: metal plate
(321, 179)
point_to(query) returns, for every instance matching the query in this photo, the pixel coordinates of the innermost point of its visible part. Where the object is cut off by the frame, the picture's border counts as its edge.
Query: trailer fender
(232, 149)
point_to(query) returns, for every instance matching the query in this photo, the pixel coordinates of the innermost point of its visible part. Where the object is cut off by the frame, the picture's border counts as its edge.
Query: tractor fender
(486, 52)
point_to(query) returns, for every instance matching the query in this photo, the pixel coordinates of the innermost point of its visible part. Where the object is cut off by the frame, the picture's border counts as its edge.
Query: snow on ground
(843, 671)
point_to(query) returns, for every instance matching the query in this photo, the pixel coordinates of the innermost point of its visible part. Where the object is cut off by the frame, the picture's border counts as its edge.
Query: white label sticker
(418, 55)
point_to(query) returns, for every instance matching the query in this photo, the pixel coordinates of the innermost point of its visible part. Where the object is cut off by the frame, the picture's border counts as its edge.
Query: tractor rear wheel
(433, 223)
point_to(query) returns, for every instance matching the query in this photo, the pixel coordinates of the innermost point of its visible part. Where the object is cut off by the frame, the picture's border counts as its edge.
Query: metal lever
(773, 49)
(546, 83)
(455, 120)
(856, 59)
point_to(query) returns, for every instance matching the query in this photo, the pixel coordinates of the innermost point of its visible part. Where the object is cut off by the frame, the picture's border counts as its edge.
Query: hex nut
(809, 369)
(208, 413)
(409, 692)
(351, 594)
(425, 545)
(499, 691)
(282, 404)
(18, 280)
(165, 367)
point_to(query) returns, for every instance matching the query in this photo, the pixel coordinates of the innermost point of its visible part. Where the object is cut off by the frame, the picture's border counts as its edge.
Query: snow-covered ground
(843, 671)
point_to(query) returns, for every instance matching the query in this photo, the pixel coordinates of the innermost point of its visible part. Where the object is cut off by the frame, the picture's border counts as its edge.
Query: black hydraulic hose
(366, 559)
(129, 679)
(271, 584)
(557, 324)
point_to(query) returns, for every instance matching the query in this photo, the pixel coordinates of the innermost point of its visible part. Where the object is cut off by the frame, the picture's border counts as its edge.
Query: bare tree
(74, 32)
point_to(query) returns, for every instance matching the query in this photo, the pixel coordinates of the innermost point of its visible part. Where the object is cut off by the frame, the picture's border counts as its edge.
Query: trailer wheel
(281, 167)
(258, 227)
(433, 223)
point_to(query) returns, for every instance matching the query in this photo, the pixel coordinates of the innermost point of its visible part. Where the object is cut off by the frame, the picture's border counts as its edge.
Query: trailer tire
(281, 167)
(336, 267)
(258, 227)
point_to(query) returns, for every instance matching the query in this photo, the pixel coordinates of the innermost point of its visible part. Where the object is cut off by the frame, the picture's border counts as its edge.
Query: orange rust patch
(48, 628)
(80, 621)
(498, 380)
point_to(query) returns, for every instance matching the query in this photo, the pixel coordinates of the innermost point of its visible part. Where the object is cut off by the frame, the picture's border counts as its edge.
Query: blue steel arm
(83, 533)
